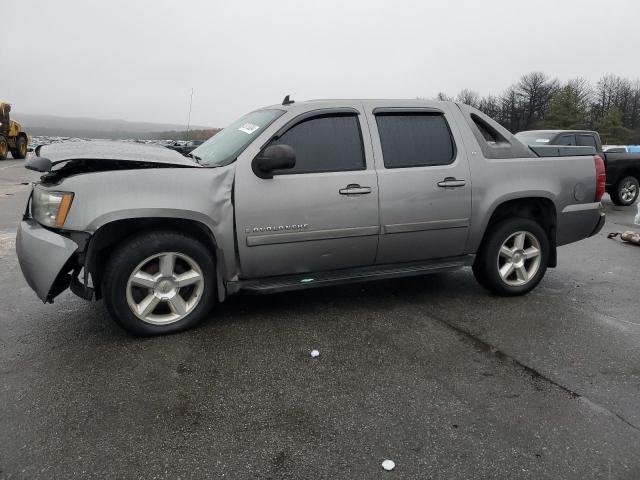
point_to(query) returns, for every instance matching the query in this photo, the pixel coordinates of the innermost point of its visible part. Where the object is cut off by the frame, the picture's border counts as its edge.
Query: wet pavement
(433, 373)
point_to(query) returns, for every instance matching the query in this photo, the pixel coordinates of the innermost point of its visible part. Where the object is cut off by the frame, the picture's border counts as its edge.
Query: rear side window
(587, 141)
(415, 140)
(325, 144)
(567, 140)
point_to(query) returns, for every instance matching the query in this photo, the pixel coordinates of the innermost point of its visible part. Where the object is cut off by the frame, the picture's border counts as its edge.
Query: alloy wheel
(165, 288)
(628, 191)
(519, 258)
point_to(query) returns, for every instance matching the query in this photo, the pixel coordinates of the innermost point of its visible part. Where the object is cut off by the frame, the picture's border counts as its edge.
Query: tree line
(183, 134)
(536, 101)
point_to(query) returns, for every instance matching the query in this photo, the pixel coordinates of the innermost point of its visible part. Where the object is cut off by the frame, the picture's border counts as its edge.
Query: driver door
(320, 215)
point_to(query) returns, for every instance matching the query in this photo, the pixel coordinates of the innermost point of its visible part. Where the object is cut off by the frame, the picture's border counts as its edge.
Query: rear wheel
(513, 257)
(626, 191)
(20, 151)
(4, 148)
(159, 282)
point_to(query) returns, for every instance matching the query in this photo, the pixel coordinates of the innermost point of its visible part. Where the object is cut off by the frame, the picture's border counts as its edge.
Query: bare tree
(535, 90)
(443, 97)
(537, 100)
(490, 105)
(511, 108)
(469, 97)
(582, 90)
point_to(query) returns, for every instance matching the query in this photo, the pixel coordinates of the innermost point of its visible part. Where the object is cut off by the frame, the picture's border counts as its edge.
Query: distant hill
(51, 125)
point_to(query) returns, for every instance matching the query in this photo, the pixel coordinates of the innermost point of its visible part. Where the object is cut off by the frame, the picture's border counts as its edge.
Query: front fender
(202, 195)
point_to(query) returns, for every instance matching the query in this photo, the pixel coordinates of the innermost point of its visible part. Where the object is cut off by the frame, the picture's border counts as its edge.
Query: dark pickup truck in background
(623, 169)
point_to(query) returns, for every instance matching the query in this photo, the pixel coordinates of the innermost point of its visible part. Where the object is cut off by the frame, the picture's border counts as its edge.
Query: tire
(527, 272)
(146, 253)
(20, 152)
(4, 148)
(625, 192)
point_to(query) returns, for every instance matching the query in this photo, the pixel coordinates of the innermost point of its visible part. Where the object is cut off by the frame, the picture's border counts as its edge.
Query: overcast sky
(138, 59)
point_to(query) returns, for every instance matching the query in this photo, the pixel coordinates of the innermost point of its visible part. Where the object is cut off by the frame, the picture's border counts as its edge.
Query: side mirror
(274, 157)
(38, 164)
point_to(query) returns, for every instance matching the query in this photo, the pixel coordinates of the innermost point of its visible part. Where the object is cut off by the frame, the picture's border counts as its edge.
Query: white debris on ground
(315, 353)
(388, 465)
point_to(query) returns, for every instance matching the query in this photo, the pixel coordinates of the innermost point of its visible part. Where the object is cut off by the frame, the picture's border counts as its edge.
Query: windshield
(535, 138)
(225, 146)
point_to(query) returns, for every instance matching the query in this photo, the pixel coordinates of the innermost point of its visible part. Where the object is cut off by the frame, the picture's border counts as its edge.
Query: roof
(322, 102)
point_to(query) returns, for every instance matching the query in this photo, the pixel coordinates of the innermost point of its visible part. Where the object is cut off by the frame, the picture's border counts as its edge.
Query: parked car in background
(621, 148)
(300, 195)
(615, 149)
(621, 163)
(185, 147)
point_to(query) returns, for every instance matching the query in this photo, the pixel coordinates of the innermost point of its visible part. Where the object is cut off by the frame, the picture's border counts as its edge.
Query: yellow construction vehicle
(12, 138)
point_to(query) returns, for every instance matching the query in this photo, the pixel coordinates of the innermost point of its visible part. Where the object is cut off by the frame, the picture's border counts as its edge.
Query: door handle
(451, 182)
(354, 189)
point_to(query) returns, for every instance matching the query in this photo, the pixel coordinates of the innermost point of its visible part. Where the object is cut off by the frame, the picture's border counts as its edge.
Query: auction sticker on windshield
(248, 128)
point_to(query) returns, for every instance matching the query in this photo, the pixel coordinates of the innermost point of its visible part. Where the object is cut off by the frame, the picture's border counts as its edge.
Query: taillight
(601, 177)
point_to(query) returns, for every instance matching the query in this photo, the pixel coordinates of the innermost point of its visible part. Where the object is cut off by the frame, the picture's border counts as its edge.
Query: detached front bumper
(45, 259)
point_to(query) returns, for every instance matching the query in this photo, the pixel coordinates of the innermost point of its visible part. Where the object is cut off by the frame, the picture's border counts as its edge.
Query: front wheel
(159, 282)
(625, 191)
(513, 257)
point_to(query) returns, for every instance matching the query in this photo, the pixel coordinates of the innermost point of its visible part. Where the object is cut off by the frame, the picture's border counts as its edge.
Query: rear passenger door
(424, 182)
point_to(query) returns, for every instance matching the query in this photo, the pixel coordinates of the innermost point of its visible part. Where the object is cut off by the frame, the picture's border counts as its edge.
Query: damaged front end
(51, 257)
(51, 260)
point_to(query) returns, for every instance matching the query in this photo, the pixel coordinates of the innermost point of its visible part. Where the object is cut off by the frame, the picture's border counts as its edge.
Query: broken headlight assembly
(50, 208)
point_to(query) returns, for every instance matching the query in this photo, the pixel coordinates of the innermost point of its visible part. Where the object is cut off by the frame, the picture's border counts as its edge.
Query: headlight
(50, 208)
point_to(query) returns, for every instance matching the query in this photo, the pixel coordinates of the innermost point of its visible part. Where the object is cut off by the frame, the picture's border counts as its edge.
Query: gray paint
(417, 220)
(421, 226)
(291, 237)
(113, 150)
(410, 196)
(42, 254)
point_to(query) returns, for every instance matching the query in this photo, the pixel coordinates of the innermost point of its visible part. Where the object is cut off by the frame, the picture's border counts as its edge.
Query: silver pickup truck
(301, 195)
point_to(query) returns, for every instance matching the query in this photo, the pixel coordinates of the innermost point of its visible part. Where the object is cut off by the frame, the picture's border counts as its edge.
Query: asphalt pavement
(433, 373)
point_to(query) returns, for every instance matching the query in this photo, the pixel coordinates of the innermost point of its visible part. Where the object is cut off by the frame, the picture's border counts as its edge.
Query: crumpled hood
(113, 151)
(64, 160)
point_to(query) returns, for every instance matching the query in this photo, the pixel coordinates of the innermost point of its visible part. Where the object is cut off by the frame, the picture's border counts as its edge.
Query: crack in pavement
(487, 347)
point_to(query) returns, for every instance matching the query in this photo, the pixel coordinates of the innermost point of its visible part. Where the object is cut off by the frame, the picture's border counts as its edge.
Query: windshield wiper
(195, 158)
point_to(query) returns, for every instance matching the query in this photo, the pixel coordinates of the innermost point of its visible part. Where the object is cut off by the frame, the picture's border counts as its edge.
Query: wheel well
(630, 172)
(540, 209)
(112, 234)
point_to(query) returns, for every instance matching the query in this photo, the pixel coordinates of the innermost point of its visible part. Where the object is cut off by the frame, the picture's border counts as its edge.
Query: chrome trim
(579, 207)
(422, 226)
(289, 237)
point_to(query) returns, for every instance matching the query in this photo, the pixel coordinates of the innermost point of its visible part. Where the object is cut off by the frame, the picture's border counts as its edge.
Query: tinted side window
(567, 140)
(325, 144)
(415, 140)
(587, 141)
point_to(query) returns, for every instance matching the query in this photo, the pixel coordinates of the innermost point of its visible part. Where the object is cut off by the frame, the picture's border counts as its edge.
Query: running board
(336, 277)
